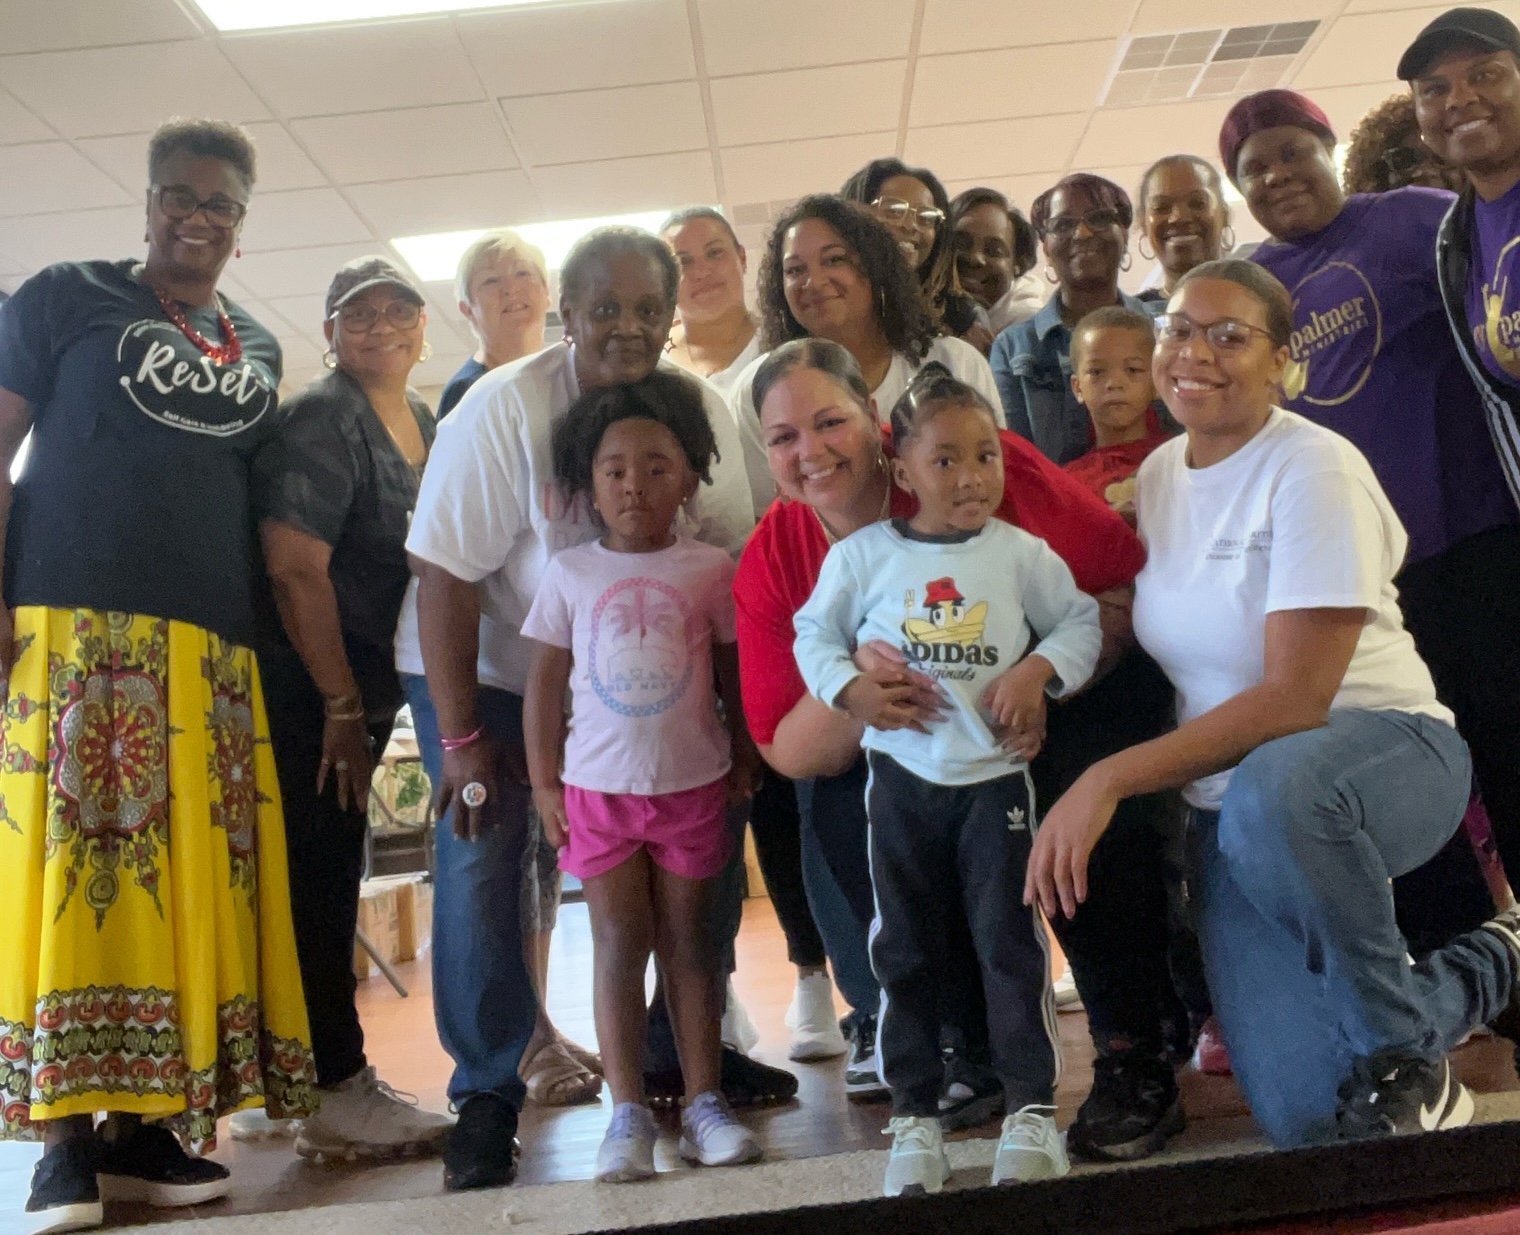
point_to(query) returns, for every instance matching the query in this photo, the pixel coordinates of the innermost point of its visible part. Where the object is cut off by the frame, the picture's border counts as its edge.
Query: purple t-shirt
(1493, 286)
(1373, 359)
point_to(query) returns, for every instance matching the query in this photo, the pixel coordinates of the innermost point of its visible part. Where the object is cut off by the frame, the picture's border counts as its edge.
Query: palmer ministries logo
(1499, 335)
(1337, 335)
(948, 642)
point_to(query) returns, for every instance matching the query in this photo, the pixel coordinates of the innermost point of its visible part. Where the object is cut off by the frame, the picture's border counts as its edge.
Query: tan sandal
(589, 1060)
(555, 1078)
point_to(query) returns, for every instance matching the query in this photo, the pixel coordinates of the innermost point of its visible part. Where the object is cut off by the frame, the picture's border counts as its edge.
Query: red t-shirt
(1105, 466)
(781, 561)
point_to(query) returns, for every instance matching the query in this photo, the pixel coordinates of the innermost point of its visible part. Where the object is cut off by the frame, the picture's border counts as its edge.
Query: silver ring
(473, 795)
(341, 765)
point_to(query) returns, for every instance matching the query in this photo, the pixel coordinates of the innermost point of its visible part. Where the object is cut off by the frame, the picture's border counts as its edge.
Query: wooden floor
(561, 1144)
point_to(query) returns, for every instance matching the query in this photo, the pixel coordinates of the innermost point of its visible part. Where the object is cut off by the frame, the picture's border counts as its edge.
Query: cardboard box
(413, 913)
(380, 922)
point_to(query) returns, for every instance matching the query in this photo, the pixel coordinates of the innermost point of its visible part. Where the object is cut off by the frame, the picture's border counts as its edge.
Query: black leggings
(776, 825)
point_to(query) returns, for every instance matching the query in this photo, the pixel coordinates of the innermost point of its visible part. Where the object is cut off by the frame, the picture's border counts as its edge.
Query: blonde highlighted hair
(497, 242)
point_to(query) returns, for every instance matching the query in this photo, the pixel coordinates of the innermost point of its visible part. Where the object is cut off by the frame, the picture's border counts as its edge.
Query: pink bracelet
(453, 744)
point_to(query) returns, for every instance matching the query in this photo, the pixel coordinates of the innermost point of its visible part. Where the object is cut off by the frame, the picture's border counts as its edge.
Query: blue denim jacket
(1031, 363)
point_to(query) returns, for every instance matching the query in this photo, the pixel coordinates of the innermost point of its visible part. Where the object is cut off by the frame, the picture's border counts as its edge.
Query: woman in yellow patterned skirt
(148, 971)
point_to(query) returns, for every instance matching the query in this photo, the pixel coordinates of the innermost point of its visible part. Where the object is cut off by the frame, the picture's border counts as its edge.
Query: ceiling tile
(758, 38)
(299, 219)
(130, 89)
(1117, 135)
(296, 272)
(63, 24)
(421, 141)
(996, 147)
(447, 203)
(1170, 16)
(977, 25)
(53, 176)
(282, 164)
(769, 107)
(1019, 190)
(19, 125)
(622, 186)
(781, 171)
(1025, 81)
(606, 124)
(42, 239)
(581, 47)
(304, 313)
(1346, 105)
(1365, 48)
(356, 68)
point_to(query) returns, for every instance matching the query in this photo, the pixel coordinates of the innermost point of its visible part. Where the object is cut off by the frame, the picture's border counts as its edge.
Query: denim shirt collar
(1049, 316)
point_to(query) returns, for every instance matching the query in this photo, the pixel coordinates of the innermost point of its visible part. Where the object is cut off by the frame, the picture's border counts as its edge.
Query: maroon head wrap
(1268, 109)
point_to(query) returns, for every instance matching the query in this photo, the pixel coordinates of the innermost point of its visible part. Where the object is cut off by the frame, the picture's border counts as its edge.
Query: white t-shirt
(963, 361)
(491, 510)
(641, 629)
(1294, 519)
(724, 380)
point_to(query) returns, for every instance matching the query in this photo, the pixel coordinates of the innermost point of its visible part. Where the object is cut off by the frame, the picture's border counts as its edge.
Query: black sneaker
(482, 1148)
(745, 1082)
(972, 1095)
(1132, 1109)
(64, 1190)
(1389, 1095)
(147, 1165)
(861, 1079)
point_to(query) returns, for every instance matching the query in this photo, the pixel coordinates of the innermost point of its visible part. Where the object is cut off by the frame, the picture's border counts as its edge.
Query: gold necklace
(831, 535)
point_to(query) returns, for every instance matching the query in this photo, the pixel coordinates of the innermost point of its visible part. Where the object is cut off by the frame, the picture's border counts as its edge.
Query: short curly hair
(900, 313)
(607, 242)
(1105, 194)
(1025, 251)
(1388, 125)
(210, 139)
(669, 399)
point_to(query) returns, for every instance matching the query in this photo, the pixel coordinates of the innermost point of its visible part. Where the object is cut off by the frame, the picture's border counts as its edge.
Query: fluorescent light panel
(228, 15)
(434, 258)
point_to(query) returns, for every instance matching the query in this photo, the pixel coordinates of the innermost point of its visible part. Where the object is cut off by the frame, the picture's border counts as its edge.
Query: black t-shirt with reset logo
(135, 494)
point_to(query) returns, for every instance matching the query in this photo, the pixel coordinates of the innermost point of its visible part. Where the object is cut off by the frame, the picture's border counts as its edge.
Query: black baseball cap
(1456, 28)
(363, 273)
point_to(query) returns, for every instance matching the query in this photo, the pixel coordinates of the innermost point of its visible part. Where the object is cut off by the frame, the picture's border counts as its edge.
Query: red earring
(238, 252)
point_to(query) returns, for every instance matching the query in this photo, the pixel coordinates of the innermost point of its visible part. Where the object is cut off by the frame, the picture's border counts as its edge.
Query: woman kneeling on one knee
(1310, 744)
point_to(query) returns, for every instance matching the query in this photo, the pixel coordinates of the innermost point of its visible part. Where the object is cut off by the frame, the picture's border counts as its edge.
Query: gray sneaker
(627, 1151)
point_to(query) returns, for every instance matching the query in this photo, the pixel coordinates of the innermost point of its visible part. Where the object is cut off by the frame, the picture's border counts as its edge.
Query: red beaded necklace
(227, 353)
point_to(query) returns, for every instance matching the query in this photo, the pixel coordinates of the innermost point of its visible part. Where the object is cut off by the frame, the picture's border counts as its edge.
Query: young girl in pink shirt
(635, 784)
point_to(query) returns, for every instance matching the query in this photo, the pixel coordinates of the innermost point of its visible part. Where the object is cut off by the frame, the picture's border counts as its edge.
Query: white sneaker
(917, 1163)
(1065, 987)
(627, 1151)
(813, 1021)
(711, 1136)
(738, 1031)
(365, 1118)
(255, 1125)
(1030, 1148)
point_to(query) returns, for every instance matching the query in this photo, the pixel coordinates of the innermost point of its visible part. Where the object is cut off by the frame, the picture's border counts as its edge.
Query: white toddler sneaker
(365, 1118)
(711, 1136)
(627, 1151)
(917, 1164)
(1030, 1148)
(814, 1022)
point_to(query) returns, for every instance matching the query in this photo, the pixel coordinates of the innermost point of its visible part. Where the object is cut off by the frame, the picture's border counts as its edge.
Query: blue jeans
(483, 996)
(1295, 912)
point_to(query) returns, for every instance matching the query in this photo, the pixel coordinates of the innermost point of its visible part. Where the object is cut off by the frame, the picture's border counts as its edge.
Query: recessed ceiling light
(229, 15)
(435, 257)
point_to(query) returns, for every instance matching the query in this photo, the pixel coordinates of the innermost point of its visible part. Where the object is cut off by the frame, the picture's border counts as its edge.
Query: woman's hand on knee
(1056, 879)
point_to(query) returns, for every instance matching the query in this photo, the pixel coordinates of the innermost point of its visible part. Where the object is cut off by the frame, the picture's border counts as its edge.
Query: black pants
(1463, 609)
(776, 824)
(325, 845)
(944, 857)
(1119, 941)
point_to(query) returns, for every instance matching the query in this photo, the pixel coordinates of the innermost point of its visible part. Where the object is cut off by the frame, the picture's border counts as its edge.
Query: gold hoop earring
(1227, 239)
(330, 358)
(1126, 261)
(426, 353)
(1140, 244)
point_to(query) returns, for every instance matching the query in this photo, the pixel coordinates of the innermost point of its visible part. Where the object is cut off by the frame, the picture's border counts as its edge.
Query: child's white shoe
(627, 1151)
(814, 1022)
(917, 1163)
(711, 1136)
(737, 1030)
(1030, 1148)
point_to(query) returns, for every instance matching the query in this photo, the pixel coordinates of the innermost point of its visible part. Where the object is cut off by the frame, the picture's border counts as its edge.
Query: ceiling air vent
(1196, 64)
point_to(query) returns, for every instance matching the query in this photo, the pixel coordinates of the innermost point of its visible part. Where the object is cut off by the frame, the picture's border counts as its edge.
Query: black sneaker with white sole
(146, 1165)
(972, 1095)
(482, 1149)
(862, 1081)
(1392, 1095)
(65, 1195)
(1131, 1110)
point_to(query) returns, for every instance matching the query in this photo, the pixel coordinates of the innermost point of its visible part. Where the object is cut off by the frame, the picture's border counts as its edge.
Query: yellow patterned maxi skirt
(147, 957)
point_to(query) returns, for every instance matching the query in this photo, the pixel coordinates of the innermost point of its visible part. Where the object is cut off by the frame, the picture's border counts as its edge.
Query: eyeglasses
(1096, 220)
(895, 210)
(179, 203)
(359, 318)
(1224, 335)
(1401, 160)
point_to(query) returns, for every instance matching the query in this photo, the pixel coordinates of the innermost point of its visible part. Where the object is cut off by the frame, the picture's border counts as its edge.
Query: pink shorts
(685, 833)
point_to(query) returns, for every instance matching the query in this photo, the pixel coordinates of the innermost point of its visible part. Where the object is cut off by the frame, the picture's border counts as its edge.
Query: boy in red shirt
(1111, 374)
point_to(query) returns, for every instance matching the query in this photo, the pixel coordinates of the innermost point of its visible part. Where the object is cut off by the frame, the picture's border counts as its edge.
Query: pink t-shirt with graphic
(640, 628)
